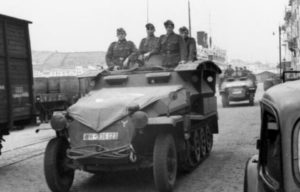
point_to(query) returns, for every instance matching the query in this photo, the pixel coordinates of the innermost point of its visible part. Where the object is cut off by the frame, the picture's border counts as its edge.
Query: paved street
(21, 164)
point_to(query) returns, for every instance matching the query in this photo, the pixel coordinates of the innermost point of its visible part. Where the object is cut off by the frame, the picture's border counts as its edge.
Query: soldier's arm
(109, 57)
(183, 49)
(134, 52)
(157, 48)
(193, 50)
(141, 46)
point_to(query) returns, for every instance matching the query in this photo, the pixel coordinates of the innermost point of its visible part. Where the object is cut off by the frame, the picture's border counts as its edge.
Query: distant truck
(149, 117)
(238, 87)
(16, 77)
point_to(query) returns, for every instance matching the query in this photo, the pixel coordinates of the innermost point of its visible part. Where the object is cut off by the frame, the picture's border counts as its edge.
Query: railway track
(23, 153)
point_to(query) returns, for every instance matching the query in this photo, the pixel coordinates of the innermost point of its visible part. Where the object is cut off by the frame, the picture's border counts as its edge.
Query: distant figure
(228, 71)
(190, 44)
(171, 46)
(121, 53)
(245, 71)
(236, 69)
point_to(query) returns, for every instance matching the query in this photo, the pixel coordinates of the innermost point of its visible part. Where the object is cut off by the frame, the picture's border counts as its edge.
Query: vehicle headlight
(58, 122)
(139, 119)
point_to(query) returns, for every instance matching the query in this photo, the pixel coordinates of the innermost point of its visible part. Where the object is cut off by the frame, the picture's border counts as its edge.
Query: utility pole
(190, 27)
(280, 64)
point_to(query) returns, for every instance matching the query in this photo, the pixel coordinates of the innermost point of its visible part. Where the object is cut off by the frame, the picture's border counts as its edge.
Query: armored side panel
(16, 78)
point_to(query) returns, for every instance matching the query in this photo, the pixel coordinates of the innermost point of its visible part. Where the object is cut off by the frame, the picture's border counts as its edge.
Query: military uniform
(118, 51)
(191, 48)
(173, 49)
(148, 44)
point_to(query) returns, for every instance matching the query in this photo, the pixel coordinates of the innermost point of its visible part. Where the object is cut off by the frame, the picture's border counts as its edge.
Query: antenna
(190, 27)
(147, 11)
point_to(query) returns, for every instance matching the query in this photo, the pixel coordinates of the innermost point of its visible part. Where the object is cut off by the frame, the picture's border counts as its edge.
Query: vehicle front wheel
(58, 177)
(225, 101)
(165, 162)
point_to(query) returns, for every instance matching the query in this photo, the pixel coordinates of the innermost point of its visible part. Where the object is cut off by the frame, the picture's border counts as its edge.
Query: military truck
(147, 117)
(240, 86)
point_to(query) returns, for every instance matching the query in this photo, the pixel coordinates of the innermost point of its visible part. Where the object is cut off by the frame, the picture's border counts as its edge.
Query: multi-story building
(290, 40)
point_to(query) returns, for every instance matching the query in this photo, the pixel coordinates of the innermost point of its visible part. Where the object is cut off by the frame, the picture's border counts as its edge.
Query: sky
(242, 27)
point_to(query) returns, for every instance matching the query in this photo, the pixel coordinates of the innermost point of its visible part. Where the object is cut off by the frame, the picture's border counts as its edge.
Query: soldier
(171, 46)
(190, 44)
(121, 53)
(148, 44)
(245, 71)
(228, 71)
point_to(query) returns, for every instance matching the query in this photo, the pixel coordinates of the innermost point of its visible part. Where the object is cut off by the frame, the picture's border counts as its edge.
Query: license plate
(237, 92)
(100, 136)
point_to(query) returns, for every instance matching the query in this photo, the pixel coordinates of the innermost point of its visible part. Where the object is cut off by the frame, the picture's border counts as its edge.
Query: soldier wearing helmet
(171, 46)
(190, 44)
(122, 53)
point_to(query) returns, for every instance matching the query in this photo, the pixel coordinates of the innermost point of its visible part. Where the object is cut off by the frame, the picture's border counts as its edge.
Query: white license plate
(100, 136)
(237, 92)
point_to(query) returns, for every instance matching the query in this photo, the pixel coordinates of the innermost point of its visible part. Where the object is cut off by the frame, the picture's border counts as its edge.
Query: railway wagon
(54, 94)
(16, 77)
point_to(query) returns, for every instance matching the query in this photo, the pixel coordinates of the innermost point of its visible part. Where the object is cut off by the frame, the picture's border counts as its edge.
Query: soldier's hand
(182, 62)
(146, 56)
(116, 68)
(125, 63)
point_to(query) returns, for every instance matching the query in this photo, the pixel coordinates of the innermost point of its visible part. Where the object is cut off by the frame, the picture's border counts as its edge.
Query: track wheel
(58, 177)
(251, 99)
(165, 162)
(225, 101)
(209, 139)
(202, 141)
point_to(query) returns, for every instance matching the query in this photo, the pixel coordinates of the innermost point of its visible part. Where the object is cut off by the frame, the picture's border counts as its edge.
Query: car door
(270, 158)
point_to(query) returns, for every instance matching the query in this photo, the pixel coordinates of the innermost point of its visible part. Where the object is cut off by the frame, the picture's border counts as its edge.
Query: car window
(296, 151)
(271, 150)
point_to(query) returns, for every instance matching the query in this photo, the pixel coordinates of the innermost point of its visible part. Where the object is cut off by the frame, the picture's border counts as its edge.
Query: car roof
(285, 99)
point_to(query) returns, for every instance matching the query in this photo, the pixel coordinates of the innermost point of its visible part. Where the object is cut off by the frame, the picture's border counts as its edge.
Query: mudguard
(251, 175)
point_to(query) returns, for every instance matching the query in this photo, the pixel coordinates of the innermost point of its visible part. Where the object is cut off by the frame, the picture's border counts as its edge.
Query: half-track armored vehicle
(239, 86)
(149, 117)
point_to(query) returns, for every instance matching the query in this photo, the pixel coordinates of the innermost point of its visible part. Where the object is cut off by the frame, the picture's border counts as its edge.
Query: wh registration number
(237, 92)
(100, 136)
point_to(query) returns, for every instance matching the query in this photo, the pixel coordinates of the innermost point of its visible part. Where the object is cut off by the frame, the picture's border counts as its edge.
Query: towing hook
(132, 157)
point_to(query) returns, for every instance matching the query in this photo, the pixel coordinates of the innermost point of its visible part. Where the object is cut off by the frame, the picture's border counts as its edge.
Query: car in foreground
(277, 165)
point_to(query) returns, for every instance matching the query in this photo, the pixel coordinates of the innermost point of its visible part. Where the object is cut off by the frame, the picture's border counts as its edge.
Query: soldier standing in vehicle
(148, 44)
(122, 53)
(190, 44)
(171, 46)
(228, 71)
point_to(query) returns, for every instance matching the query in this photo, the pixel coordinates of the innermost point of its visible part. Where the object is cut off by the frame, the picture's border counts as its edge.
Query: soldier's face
(121, 36)
(169, 29)
(150, 31)
(185, 34)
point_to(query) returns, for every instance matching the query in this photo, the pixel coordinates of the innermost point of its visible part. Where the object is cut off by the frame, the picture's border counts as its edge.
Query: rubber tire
(209, 139)
(163, 143)
(56, 147)
(251, 99)
(225, 101)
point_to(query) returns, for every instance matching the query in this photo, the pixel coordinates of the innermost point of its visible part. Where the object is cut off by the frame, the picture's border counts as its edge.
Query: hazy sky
(243, 27)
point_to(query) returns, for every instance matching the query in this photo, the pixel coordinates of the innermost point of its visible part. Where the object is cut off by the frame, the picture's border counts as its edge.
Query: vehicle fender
(251, 174)
(171, 120)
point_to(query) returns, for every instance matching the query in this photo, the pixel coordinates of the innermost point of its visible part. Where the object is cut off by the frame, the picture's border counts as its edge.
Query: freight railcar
(16, 77)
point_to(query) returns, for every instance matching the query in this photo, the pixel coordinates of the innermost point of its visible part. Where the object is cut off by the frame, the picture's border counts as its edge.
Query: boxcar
(16, 78)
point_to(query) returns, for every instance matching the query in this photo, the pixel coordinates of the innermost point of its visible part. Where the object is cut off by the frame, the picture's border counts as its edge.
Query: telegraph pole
(190, 27)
